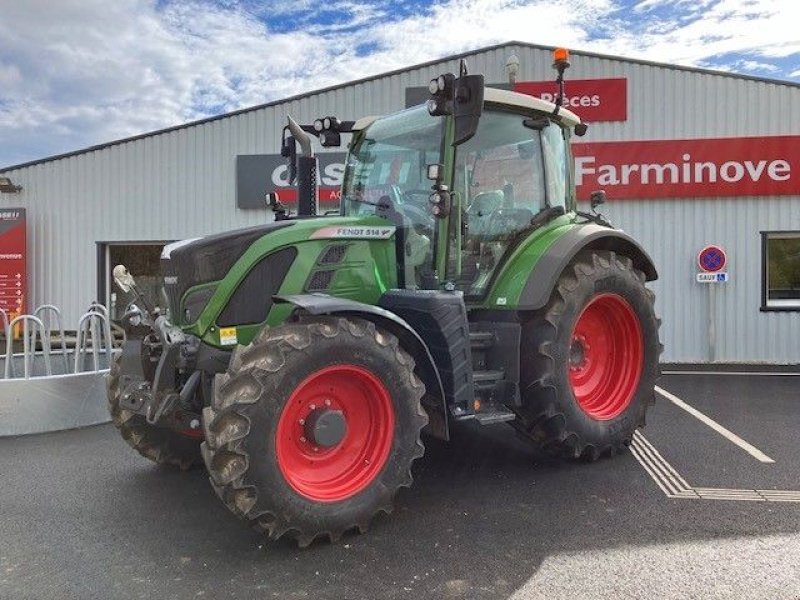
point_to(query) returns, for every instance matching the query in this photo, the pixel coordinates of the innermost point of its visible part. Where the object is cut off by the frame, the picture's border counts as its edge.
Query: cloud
(75, 73)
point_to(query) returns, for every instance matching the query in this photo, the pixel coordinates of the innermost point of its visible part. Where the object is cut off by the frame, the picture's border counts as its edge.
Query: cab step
(494, 413)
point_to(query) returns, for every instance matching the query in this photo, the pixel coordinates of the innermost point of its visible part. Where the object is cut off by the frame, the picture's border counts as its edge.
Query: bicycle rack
(88, 326)
(43, 313)
(28, 346)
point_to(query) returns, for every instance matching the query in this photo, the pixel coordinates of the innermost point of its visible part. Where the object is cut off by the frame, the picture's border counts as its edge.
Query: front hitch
(159, 380)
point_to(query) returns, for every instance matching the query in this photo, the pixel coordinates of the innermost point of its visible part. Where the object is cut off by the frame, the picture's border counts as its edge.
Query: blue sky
(75, 73)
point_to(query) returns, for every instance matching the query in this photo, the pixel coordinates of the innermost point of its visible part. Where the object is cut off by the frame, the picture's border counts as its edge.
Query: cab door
(514, 168)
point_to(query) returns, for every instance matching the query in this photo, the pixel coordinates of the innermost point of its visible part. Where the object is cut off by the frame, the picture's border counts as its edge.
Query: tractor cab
(461, 198)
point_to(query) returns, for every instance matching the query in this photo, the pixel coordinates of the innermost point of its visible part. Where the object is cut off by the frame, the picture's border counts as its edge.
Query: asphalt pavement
(83, 516)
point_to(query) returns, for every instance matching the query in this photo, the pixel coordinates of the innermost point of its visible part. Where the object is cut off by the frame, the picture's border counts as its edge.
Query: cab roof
(507, 98)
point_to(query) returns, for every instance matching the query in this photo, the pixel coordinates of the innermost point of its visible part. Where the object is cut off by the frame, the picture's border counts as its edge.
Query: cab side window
(554, 150)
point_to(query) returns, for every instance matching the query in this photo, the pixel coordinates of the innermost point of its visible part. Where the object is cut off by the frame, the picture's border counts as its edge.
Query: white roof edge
(507, 97)
(525, 101)
(364, 122)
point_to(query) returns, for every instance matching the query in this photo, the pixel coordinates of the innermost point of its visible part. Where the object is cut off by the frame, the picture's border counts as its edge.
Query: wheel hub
(335, 433)
(577, 353)
(325, 427)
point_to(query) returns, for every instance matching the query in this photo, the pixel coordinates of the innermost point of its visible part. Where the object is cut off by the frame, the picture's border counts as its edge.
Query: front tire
(158, 444)
(589, 359)
(314, 428)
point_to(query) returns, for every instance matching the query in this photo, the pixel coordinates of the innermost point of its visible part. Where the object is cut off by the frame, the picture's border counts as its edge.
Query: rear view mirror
(468, 106)
(596, 198)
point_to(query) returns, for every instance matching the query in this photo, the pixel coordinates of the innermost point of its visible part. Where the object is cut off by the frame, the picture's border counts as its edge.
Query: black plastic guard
(440, 318)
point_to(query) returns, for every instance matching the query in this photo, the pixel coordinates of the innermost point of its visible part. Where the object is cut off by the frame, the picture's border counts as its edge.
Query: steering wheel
(420, 216)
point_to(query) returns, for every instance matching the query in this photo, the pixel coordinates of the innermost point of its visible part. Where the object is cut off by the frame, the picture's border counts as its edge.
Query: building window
(780, 259)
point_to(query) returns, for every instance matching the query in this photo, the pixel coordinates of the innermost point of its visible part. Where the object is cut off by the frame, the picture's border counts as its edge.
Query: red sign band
(749, 166)
(591, 99)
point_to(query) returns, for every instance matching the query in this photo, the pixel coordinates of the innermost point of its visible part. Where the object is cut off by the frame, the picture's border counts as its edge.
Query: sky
(75, 73)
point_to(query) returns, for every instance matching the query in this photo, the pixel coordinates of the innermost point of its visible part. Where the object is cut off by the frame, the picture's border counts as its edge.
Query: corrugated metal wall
(182, 183)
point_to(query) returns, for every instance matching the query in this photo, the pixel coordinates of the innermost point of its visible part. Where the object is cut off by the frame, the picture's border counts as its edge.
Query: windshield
(387, 162)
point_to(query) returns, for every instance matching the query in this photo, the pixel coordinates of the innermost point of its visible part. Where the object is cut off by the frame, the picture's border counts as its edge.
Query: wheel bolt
(316, 449)
(303, 439)
(302, 421)
(327, 402)
(313, 407)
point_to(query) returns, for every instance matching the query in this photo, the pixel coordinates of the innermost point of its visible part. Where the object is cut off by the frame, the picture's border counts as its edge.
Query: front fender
(410, 340)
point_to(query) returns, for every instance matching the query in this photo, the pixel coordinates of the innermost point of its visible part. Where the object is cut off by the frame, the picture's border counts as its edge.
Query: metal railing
(28, 346)
(93, 336)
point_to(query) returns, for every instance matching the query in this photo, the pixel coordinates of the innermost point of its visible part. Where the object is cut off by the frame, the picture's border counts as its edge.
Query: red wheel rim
(339, 471)
(606, 357)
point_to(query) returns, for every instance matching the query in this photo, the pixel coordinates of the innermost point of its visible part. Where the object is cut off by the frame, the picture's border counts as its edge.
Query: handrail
(47, 309)
(28, 346)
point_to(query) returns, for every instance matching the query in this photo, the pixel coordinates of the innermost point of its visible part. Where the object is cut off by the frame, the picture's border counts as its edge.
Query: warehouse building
(689, 159)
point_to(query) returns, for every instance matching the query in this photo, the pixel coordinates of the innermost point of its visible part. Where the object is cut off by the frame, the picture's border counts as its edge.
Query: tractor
(300, 361)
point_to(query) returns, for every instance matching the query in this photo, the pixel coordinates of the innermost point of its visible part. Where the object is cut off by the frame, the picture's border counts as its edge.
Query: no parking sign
(712, 260)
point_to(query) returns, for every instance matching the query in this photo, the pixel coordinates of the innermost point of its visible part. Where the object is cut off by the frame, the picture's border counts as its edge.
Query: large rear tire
(314, 428)
(160, 445)
(589, 359)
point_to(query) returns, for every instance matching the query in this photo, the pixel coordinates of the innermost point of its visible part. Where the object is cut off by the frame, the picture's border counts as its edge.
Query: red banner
(750, 166)
(591, 99)
(13, 256)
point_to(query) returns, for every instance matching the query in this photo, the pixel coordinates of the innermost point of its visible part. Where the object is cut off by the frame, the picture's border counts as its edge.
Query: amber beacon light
(560, 58)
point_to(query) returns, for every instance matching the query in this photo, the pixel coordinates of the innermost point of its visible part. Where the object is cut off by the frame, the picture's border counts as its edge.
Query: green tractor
(301, 360)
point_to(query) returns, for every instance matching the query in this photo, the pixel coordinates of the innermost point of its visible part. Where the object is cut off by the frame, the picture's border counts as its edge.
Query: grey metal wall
(182, 183)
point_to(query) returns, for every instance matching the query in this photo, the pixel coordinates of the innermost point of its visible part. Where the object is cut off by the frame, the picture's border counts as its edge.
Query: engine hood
(188, 263)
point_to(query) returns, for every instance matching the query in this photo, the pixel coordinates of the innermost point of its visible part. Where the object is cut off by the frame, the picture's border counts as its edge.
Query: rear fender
(542, 279)
(323, 304)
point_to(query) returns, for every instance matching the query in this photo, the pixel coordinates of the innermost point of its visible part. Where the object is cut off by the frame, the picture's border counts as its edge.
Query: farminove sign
(697, 168)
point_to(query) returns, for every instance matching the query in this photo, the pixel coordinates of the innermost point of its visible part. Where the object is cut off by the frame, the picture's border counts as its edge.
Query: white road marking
(726, 433)
(674, 486)
(748, 373)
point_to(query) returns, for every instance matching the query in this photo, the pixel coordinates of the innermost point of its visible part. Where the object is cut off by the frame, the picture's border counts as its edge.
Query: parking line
(726, 433)
(748, 373)
(674, 486)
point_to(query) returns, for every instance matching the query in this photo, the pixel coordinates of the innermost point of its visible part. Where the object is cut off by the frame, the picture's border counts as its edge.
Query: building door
(142, 260)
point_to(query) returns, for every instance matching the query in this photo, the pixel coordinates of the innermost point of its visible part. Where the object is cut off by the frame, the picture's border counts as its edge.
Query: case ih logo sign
(13, 279)
(591, 99)
(751, 166)
(259, 174)
(731, 167)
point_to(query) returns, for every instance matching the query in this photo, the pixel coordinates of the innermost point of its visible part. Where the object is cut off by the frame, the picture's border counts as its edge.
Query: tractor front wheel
(158, 444)
(589, 359)
(314, 428)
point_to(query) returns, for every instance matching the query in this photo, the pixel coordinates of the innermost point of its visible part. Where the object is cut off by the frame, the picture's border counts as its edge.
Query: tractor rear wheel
(314, 427)
(158, 444)
(589, 359)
